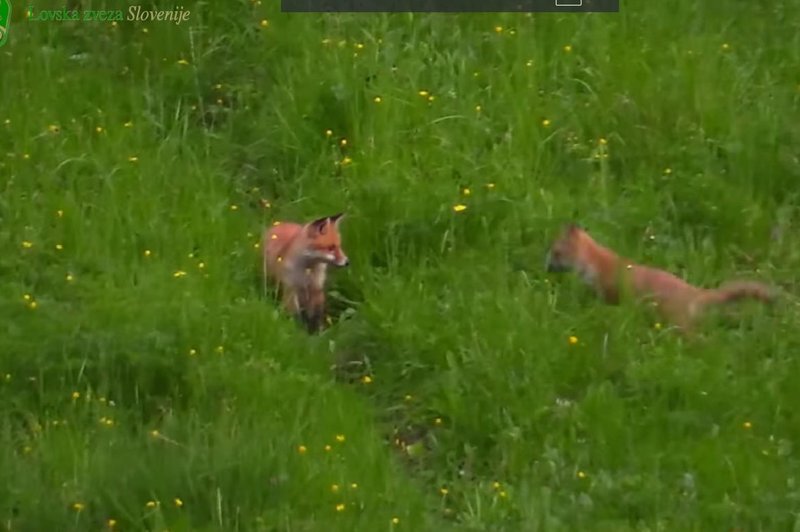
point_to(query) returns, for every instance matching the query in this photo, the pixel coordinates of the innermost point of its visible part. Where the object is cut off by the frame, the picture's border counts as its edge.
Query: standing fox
(297, 257)
(609, 274)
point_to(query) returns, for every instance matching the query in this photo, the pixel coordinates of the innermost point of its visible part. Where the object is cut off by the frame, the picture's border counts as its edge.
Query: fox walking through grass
(612, 275)
(297, 256)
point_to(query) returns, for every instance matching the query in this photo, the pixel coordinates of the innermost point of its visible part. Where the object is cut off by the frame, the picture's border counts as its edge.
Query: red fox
(297, 257)
(609, 274)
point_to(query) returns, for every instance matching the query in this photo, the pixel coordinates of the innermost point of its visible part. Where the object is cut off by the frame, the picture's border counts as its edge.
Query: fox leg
(315, 311)
(304, 306)
(313, 303)
(264, 263)
(290, 301)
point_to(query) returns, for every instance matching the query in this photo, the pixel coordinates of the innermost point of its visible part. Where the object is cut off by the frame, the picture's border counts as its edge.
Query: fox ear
(336, 218)
(572, 227)
(319, 226)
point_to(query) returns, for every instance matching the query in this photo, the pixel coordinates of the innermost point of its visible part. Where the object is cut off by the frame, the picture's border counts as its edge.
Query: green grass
(128, 388)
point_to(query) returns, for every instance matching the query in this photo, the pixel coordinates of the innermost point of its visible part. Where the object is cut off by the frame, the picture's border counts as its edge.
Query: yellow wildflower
(573, 340)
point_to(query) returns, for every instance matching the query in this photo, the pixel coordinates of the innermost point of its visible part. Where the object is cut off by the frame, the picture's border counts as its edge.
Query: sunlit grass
(149, 385)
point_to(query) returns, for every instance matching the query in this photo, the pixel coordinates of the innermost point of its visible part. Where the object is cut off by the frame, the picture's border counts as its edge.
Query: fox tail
(738, 290)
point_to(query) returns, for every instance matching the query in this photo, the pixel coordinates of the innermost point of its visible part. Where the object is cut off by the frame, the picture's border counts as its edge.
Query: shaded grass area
(149, 385)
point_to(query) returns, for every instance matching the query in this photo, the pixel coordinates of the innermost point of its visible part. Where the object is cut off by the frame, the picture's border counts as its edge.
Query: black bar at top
(450, 6)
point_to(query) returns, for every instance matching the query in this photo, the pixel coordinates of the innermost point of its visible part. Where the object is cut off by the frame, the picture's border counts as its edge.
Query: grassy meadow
(147, 383)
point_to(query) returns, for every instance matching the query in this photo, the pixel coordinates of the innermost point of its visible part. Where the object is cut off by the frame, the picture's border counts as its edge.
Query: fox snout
(336, 258)
(553, 264)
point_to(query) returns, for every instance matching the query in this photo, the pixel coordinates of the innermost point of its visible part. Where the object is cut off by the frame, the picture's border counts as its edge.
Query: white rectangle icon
(569, 3)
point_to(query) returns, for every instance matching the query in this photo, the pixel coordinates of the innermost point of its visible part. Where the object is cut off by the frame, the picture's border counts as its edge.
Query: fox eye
(331, 248)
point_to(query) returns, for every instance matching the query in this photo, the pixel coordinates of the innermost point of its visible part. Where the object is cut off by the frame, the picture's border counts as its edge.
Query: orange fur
(297, 258)
(679, 302)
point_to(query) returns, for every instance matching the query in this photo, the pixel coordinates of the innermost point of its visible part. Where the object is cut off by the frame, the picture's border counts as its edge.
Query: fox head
(564, 252)
(325, 242)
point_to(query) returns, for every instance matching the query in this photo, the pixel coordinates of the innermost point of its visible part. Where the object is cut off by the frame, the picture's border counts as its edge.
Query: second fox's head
(564, 251)
(325, 242)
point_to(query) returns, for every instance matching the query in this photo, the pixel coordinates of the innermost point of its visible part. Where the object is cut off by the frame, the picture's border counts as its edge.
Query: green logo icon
(5, 20)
